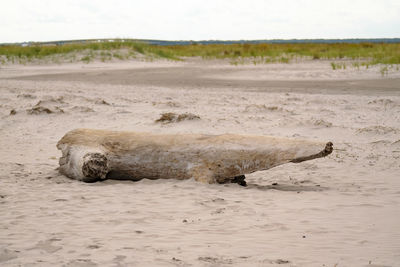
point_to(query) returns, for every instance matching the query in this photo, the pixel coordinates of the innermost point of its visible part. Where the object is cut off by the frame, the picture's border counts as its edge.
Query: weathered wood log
(92, 155)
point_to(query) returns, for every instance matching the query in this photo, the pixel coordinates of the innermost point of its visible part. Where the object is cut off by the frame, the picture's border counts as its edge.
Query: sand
(342, 210)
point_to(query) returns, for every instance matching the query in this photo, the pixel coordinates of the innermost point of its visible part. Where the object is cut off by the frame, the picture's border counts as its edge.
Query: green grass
(86, 58)
(338, 66)
(106, 51)
(356, 65)
(376, 53)
(365, 53)
(384, 71)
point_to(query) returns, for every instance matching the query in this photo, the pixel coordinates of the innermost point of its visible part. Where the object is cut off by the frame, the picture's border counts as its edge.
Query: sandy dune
(343, 210)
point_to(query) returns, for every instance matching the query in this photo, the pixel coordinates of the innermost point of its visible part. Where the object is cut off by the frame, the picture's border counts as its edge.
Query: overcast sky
(45, 20)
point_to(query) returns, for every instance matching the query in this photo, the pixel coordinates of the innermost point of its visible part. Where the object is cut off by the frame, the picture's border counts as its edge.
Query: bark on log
(91, 155)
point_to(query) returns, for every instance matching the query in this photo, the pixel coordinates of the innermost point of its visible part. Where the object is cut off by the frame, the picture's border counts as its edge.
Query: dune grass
(105, 50)
(382, 53)
(366, 53)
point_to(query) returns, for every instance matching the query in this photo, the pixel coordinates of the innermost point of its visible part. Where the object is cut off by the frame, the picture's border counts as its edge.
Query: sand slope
(342, 210)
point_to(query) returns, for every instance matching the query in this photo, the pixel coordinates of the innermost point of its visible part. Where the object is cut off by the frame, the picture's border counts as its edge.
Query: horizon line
(210, 41)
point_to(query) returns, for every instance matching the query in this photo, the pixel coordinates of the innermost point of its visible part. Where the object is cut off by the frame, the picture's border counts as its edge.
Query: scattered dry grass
(170, 117)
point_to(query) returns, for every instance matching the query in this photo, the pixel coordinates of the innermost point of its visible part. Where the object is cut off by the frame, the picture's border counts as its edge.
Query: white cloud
(24, 20)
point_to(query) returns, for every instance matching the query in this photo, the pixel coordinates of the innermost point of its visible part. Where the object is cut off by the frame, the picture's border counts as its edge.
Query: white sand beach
(342, 210)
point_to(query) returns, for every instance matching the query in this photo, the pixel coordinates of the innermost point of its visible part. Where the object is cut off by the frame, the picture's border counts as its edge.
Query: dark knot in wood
(94, 167)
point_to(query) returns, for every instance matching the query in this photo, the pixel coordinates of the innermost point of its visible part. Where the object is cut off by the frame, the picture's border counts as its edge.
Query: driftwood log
(92, 155)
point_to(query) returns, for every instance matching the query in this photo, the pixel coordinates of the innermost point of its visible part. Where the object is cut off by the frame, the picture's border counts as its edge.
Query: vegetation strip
(366, 53)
